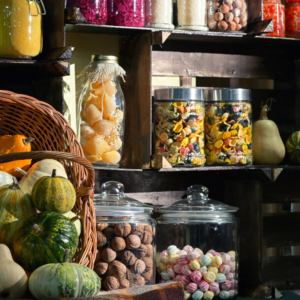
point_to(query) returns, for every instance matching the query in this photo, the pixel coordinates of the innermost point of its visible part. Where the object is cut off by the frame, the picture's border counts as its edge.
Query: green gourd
(293, 147)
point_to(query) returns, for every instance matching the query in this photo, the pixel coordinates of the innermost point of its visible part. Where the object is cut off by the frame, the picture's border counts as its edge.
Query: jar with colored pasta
(228, 124)
(273, 9)
(21, 28)
(179, 126)
(198, 245)
(292, 17)
(101, 110)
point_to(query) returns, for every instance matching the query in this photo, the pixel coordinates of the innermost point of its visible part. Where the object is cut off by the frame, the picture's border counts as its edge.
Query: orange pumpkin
(13, 144)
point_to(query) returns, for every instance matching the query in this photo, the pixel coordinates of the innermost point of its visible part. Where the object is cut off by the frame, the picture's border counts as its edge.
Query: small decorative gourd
(64, 280)
(5, 178)
(293, 147)
(13, 144)
(13, 279)
(53, 193)
(75, 220)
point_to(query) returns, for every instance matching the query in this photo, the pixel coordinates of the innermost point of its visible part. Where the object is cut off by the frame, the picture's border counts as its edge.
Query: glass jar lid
(227, 95)
(105, 58)
(113, 202)
(197, 202)
(176, 94)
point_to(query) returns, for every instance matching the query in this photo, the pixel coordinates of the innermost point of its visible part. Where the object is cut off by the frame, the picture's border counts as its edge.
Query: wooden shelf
(116, 169)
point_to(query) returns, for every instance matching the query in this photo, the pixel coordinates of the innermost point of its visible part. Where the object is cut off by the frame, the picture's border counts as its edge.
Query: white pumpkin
(70, 215)
(5, 178)
(13, 279)
(38, 170)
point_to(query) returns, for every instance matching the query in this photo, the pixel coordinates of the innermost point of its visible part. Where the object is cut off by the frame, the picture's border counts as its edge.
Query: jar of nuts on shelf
(125, 239)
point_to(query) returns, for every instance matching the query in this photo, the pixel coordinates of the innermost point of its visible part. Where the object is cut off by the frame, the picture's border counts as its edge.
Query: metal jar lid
(226, 95)
(105, 58)
(176, 94)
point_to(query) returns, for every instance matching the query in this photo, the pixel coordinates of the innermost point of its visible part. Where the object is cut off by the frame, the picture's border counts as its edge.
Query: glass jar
(21, 28)
(179, 126)
(159, 14)
(94, 11)
(129, 13)
(227, 15)
(125, 239)
(198, 245)
(273, 9)
(101, 111)
(192, 15)
(228, 126)
(292, 18)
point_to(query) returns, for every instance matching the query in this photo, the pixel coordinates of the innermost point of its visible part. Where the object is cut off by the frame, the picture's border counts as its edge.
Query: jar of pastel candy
(198, 244)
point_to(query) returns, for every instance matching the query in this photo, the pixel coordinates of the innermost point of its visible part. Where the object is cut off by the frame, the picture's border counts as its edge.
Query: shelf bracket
(159, 37)
(159, 162)
(273, 174)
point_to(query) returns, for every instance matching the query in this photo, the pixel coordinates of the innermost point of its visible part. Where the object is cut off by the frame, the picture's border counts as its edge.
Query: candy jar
(101, 110)
(198, 244)
(179, 126)
(292, 16)
(21, 28)
(273, 9)
(94, 11)
(228, 126)
(125, 239)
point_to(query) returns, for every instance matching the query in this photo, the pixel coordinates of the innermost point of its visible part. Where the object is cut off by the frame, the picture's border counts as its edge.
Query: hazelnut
(149, 251)
(133, 241)
(138, 267)
(231, 26)
(219, 16)
(224, 8)
(236, 20)
(101, 239)
(122, 230)
(148, 275)
(109, 233)
(237, 4)
(118, 243)
(98, 255)
(137, 229)
(117, 269)
(243, 19)
(108, 255)
(229, 17)
(228, 2)
(147, 238)
(111, 283)
(212, 24)
(124, 284)
(236, 12)
(128, 258)
(100, 268)
(101, 226)
(238, 27)
(222, 25)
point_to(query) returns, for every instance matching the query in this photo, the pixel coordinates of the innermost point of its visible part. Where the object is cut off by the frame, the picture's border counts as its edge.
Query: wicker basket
(54, 139)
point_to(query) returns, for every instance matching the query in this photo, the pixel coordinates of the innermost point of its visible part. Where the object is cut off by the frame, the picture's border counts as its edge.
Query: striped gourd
(293, 147)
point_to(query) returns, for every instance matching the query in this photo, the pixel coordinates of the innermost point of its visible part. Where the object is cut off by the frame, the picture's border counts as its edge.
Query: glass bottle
(292, 17)
(125, 239)
(198, 245)
(273, 9)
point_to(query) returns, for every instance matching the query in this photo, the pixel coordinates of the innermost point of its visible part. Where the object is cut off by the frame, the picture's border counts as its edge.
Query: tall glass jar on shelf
(274, 9)
(101, 110)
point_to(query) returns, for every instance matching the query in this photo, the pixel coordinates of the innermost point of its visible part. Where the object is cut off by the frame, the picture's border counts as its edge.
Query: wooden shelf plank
(116, 169)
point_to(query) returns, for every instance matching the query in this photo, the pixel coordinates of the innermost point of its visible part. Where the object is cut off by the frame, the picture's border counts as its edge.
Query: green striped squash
(43, 239)
(64, 280)
(293, 147)
(15, 208)
(55, 194)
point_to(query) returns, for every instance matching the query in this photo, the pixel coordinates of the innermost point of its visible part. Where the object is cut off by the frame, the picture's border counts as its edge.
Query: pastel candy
(191, 287)
(233, 283)
(211, 251)
(230, 276)
(226, 258)
(171, 272)
(205, 260)
(210, 277)
(194, 265)
(187, 295)
(225, 269)
(232, 255)
(217, 292)
(232, 293)
(173, 258)
(203, 286)
(163, 267)
(188, 248)
(209, 255)
(216, 261)
(198, 295)
(185, 280)
(164, 253)
(232, 266)
(182, 252)
(172, 249)
(193, 255)
(177, 278)
(208, 295)
(165, 259)
(200, 252)
(220, 278)
(226, 285)
(165, 275)
(196, 276)
(224, 295)
(182, 260)
(186, 270)
(217, 254)
(214, 287)
(213, 269)
(203, 270)
(177, 268)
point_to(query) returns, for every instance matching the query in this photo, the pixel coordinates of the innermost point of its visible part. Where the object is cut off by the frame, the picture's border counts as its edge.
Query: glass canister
(125, 239)
(198, 245)
(179, 126)
(292, 18)
(129, 13)
(192, 15)
(227, 15)
(94, 11)
(21, 28)
(101, 110)
(273, 9)
(228, 126)
(159, 14)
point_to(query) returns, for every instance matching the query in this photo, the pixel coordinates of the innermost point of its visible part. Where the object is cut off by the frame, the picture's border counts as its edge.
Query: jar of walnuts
(125, 239)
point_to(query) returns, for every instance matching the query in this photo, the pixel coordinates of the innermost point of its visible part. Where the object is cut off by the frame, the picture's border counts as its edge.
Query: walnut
(124, 284)
(101, 226)
(109, 233)
(111, 283)
(108, 255)
(117, 269)
(128, 258)
(138, 267)
(118, 243)
(149, 251)
(100, 267)
(133, 242)
(122, 230)
(141, 251)
(101, 239)
(148, 275)
(147, 238)
(137, 229)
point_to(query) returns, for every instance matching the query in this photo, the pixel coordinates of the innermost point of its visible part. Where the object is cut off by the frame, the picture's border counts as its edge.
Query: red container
(292, 18)
(273, 9)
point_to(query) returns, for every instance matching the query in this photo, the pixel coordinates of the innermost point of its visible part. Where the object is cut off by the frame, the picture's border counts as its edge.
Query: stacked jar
(292, 17)
(273, 9)
(228, 124)
(179, 126)
(125, 239)
(198, 244)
